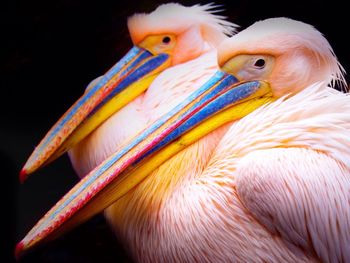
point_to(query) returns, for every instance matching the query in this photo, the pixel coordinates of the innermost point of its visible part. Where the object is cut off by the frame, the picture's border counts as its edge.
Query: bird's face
(288, 54)
(246, 67)
(162, 43)
(286, 73)
(179, 46)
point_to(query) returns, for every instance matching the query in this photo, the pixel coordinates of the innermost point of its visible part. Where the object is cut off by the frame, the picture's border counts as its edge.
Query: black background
(50, 50)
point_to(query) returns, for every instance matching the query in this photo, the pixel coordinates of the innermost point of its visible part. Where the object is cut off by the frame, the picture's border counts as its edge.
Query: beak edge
(23, 175)
(19, 250)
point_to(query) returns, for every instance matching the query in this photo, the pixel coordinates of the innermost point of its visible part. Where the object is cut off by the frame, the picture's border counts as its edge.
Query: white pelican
(169, 36)
(272, 184)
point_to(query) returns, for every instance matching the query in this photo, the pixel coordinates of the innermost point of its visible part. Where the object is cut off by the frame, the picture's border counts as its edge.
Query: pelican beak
(222, 99)
(121, 84)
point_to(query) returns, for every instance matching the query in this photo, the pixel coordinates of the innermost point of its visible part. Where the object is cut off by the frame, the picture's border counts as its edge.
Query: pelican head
(161, 40)
(272, 58)
(290, 55)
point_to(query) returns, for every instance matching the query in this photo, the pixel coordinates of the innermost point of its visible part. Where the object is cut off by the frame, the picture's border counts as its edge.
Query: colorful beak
(219, 101)
(125, 81)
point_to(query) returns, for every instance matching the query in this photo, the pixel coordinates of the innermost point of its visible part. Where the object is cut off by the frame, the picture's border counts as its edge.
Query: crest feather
(175, 18)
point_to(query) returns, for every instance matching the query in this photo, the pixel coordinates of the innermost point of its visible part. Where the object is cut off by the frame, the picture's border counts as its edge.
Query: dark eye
(260, 63)
(166, 40)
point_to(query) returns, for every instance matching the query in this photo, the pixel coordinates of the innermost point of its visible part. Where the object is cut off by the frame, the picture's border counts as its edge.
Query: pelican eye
(166, 40)
(260, 63)
(160, 43)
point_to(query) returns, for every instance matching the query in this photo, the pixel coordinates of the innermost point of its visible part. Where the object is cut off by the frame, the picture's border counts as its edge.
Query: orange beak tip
(23, 175)
(19, 250)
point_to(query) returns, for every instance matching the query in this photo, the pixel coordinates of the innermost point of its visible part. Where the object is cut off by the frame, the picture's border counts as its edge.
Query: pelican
(169, 36)
(253, 166)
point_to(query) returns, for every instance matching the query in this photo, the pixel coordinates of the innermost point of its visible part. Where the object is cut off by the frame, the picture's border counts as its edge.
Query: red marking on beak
(19, 250)
(23, 175)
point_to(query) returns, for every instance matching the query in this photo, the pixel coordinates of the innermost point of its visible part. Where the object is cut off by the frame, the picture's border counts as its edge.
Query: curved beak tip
(23, 175)
(19, 250)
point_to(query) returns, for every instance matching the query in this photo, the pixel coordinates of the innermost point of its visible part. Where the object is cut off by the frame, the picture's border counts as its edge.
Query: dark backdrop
(50, 50)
